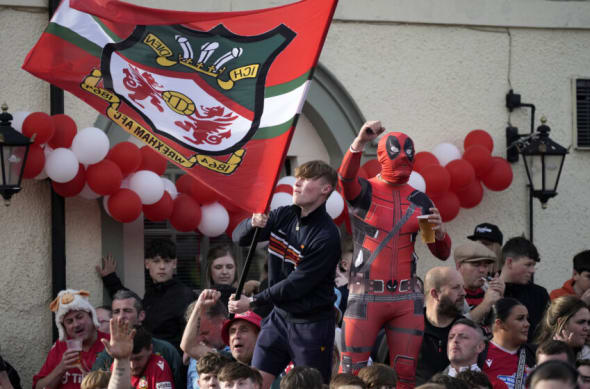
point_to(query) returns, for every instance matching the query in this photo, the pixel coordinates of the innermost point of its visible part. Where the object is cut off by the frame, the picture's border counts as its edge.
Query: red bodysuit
(384, 290)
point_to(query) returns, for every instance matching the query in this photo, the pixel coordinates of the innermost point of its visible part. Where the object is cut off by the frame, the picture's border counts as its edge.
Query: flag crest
(218, 94)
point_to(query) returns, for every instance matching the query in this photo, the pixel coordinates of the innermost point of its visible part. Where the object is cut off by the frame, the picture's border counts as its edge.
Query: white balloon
(287, 180)
(280, 199)
(61, 165)
(446, 152)
(89, 194)
(90, 145)
(335, 205)
(417, 182)
(170, 188)
(148, 186)
(105, 204)
(214, 220)
(17, 120)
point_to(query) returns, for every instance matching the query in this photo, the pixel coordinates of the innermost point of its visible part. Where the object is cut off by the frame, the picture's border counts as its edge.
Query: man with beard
(444, 297)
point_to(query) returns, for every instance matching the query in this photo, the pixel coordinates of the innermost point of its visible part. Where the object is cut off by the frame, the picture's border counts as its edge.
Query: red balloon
(462, 174)
(186, 213)
(437, 180)
(38, 123)
(152, 160)
(424, 159)
(127, 156)
(284, 188)
(65, 131)
(372, 167)
(161, 210)
(71, 188)
(35, 161)
(472, 195)
(184, 183)
(479, 137)
(500, 175)
(480, 158)
(104, 177)
(448, 206)
(202, 194)
(125, 205)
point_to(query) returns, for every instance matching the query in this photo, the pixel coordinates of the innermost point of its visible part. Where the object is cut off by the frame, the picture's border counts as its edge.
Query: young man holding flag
(304, 250)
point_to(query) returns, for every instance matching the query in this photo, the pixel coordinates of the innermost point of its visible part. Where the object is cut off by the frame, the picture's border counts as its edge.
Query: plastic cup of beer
(426, 230)
(74, 344)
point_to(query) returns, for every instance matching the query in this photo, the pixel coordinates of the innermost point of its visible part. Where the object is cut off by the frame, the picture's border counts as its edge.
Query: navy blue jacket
(303, 254)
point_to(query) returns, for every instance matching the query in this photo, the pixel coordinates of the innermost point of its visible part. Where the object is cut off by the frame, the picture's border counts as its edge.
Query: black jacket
(303, 254)
(164, 305)
(534, 297)
(433, 352)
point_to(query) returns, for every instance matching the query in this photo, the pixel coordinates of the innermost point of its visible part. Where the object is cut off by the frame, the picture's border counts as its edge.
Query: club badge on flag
(218, 94)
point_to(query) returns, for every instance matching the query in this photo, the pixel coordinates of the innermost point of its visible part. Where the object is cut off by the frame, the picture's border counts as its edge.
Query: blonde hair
(98, 379)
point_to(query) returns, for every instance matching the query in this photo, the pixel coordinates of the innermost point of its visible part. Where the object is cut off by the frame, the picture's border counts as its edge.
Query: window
(582, 113)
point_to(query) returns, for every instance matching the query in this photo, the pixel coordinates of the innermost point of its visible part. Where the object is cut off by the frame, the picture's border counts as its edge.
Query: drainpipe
(58, 207)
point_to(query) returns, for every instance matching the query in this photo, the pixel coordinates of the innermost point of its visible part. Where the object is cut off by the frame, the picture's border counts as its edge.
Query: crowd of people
(331, 312)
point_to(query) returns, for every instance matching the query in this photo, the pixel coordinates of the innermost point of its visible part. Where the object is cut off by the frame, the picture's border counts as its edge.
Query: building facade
(433, 69)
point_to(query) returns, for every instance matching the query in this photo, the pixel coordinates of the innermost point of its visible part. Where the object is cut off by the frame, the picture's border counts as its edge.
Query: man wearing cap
(75, 318)
(579, 284)
(473, 261)
(240, 334)
(490, 236)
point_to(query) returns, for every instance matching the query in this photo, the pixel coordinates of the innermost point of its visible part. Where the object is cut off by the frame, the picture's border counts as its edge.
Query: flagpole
(246, 266)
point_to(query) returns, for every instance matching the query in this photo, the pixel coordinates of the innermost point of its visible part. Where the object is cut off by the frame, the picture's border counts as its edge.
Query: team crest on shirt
(160, 365)
(489, 362)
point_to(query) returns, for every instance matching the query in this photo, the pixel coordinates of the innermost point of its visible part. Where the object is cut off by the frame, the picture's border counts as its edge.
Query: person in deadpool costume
(384, 290)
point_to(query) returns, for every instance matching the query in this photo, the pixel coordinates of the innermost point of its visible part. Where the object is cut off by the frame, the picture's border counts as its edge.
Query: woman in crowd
(221, 266)
(222, 271)
(567, 319)
(508, 358)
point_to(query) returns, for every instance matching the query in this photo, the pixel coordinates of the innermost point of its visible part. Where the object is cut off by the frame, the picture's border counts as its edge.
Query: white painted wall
(25, 228)
(435, 73)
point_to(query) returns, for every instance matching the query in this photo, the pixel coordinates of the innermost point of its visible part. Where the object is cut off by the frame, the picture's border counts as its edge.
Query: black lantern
(543, 161)
(14, 149)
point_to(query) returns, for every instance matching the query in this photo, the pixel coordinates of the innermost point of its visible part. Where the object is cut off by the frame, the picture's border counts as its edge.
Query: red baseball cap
(248, 316)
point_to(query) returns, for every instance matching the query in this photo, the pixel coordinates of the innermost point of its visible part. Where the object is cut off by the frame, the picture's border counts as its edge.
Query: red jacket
(566, 290)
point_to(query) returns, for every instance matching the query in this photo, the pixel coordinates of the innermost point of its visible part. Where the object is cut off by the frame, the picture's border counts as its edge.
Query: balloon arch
(82, 163)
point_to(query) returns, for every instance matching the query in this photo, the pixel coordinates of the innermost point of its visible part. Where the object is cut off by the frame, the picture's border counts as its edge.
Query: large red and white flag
(218, 94)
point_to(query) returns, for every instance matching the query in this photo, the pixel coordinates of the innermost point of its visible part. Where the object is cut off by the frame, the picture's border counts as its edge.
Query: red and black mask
(396, 156)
